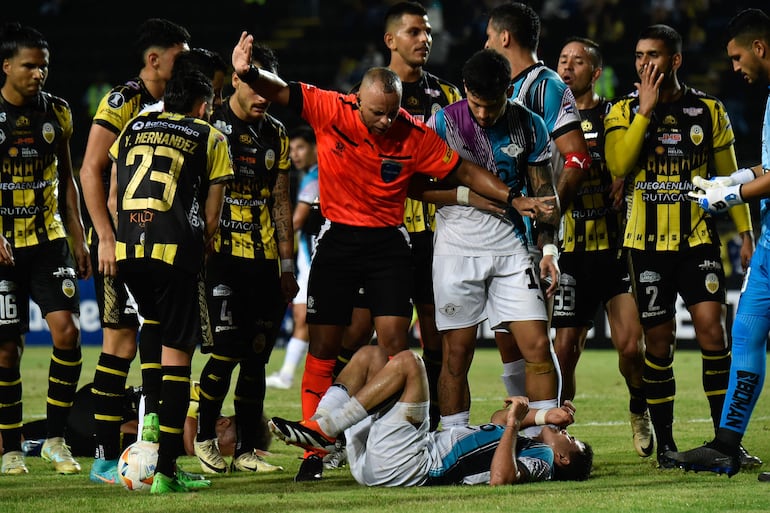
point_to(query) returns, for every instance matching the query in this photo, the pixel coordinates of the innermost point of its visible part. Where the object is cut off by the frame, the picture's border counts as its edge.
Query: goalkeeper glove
(719, 199)
(739, 177)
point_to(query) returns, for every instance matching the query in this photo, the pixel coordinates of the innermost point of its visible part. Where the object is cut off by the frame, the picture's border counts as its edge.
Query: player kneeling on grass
(382, 407)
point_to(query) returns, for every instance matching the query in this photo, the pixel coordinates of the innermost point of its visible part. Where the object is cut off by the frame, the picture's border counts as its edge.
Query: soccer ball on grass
(136, 465)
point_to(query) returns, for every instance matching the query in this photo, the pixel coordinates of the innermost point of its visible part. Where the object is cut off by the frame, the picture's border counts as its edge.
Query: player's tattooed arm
(541, 184)
(281, 213)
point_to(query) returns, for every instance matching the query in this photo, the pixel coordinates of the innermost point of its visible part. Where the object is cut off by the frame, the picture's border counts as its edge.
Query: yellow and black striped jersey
(680, 142)
(422, 99)
(590, 223)
(165, 163)
(30, 139)
(117, 108)
(260, 151)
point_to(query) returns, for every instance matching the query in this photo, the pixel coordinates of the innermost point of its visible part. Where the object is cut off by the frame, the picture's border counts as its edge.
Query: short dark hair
(591, 46)
(265, 56)
(397, 10)
(184, 89)
(520, 20)
(304, 132)
(579, 468)
(160, 32)
(672, 40)
(14, 36)
(748, 25)
(487, 74)
(201, 59)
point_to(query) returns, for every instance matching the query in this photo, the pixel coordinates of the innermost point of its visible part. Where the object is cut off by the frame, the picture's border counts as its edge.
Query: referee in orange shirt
(368, 150)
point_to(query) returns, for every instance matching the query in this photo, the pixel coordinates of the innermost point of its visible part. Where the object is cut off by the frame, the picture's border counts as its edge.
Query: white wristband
(540, 417)
(287, 265)
(463, 194)
(742, 176)
(551, 249)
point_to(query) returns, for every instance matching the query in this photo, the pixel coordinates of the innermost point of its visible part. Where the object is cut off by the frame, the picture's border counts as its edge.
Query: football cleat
(748, 461)
(642, 433)
(706, 458)
(306, 434)
(664, 462)
(13, 463)
(104, 471)
(311, 469)
(251, 462)
(211, 459)
(190, 480)
(338, 458)
(55, 451)
(161, 483)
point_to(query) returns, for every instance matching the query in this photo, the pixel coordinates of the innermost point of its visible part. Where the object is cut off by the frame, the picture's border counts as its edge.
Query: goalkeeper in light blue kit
(749, 49)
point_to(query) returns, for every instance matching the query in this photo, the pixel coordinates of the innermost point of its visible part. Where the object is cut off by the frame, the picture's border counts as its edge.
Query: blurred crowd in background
(330, 43)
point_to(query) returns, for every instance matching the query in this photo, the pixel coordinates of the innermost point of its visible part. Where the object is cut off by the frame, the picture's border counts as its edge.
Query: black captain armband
(250, 76)
(512, 195)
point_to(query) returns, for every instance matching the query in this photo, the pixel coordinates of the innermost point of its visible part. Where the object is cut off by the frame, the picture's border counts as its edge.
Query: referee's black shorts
(350, 257)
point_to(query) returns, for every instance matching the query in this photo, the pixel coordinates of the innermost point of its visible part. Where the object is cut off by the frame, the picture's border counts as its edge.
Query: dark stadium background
(328, 43)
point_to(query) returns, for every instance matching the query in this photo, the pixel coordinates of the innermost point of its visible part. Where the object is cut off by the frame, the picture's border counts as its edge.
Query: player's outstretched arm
(266, 84)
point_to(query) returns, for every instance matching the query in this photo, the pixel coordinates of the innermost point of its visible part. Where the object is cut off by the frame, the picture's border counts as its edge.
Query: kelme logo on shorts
(389, 170)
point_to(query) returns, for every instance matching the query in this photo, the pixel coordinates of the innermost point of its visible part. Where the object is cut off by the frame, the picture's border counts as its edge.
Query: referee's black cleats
(706, 459)
(311, 469)
(306, 434)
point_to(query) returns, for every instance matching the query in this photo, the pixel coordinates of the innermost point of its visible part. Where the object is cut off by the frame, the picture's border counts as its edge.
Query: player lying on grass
(382, 405)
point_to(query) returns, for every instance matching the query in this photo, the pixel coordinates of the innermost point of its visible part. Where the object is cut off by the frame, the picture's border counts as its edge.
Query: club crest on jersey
(389, 170)
(513, 150)
(696, 134)
(116, 100)
(48, 132)
(269, 159)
